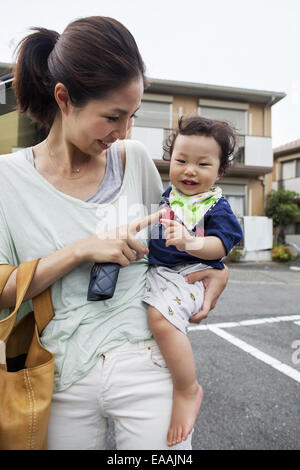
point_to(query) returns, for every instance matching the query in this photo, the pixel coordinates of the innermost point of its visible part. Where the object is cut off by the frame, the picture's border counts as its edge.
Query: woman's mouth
(103, 144)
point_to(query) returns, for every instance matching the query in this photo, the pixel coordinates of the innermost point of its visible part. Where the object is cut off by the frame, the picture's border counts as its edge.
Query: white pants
(130, 385)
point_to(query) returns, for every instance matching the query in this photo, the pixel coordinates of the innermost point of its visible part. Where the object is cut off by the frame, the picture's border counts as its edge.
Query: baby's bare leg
(187, 393)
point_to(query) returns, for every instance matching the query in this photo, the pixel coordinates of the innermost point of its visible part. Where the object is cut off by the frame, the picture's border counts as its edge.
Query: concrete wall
(258, 233)
(255, 198)
(256, 110)
(258, 151)
(293, 239)
(183, 104)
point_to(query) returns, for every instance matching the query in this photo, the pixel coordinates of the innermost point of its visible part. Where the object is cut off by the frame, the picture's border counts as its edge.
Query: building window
(237, 204)
(154, 114)
(288, 170)
(235, 117)
(298, 168)
(235, 195)
(152, 126)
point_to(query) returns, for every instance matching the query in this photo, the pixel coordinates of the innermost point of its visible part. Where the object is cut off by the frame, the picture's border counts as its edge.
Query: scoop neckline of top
(75, 199)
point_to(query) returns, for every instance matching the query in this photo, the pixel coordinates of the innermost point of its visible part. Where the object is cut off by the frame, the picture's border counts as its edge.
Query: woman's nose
(121, 131)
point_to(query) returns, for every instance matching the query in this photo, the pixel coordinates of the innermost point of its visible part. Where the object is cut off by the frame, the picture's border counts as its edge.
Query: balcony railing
(239, 154)
(251, 150)
(153, 138)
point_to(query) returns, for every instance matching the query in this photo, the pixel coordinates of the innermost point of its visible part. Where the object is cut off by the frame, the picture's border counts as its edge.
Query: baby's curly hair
(193, 124)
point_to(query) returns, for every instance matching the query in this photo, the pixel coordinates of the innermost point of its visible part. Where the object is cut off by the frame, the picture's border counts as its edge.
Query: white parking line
(254, 321)
(270, 283)
(218, 329)
(271, 361)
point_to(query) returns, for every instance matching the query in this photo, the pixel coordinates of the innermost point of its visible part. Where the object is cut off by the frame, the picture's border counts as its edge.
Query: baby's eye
(180, 161)
(203, 164)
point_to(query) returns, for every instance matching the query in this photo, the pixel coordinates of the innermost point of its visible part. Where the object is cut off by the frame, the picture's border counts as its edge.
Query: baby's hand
(176, 234)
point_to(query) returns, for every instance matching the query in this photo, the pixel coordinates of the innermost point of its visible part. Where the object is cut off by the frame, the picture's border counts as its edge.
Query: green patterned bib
(191, 209)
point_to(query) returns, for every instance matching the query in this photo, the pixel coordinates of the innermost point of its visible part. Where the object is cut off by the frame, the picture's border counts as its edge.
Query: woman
(62, 201)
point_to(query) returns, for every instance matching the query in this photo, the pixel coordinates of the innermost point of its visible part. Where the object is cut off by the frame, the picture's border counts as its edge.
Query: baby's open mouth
(189, 182)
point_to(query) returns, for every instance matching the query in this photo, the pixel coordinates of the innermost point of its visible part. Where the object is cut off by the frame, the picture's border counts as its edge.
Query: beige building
(16, 130)
(248, 110)
(246, 183)
(286, 175)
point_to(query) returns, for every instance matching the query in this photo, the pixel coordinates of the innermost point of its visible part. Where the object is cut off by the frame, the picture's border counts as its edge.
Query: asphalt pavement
(247, 355)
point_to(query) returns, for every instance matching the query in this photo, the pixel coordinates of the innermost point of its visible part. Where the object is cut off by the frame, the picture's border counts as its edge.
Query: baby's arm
(207, 248)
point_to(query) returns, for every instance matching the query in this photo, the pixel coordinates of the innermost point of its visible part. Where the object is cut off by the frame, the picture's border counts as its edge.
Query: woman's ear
(62, 97)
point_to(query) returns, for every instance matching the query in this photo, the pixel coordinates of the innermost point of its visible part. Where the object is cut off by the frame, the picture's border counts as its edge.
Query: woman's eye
(115, 118)
(112, 118)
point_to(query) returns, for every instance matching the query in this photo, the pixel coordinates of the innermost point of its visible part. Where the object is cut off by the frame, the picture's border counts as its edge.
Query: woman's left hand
(215, 281)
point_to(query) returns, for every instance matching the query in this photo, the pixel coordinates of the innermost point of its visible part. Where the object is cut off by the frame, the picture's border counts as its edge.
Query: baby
(199, 230)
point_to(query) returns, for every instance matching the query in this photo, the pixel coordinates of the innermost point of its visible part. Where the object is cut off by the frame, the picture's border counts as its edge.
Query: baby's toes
(179, 435)
(185, 432)
(170, 437)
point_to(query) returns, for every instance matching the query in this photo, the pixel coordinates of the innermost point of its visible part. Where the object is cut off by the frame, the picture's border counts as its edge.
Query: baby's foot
(186, 405)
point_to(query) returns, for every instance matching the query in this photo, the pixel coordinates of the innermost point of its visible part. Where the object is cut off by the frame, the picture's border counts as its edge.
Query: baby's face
(195, 163)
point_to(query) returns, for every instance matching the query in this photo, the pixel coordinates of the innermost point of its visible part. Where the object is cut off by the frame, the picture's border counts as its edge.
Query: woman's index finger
(139, 224)
(170, 223)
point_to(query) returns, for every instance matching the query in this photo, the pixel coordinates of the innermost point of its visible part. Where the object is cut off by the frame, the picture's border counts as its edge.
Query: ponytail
(33, 84)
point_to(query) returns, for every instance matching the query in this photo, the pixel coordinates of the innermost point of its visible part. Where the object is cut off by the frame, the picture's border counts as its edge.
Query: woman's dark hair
(221, 131)
(93, 57)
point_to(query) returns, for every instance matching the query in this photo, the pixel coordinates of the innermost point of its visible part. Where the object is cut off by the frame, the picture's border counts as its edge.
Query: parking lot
(248, 361)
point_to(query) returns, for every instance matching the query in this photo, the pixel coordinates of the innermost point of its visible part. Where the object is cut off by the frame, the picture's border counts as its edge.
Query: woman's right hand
(215, 281)
(119, 245)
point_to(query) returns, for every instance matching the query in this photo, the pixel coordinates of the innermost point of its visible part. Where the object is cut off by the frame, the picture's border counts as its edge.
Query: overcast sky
(243, 43)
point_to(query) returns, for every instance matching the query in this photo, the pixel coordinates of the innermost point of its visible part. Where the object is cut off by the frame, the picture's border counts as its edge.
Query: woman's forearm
(49, 270)
(117, 246)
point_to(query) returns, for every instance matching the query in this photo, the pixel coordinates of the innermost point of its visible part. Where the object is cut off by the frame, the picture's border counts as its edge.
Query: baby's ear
(220, 174)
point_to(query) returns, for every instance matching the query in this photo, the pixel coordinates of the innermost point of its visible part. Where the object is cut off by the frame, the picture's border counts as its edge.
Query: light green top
(36, 219)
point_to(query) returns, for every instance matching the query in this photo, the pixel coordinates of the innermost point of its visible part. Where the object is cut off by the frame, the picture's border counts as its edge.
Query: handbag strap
(5, 272)
(42, 303)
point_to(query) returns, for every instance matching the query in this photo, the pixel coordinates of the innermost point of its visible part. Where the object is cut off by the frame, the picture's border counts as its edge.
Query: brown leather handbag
(26, 367)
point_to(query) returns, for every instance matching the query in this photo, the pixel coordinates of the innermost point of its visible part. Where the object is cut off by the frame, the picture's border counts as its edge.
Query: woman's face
(93, 128)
